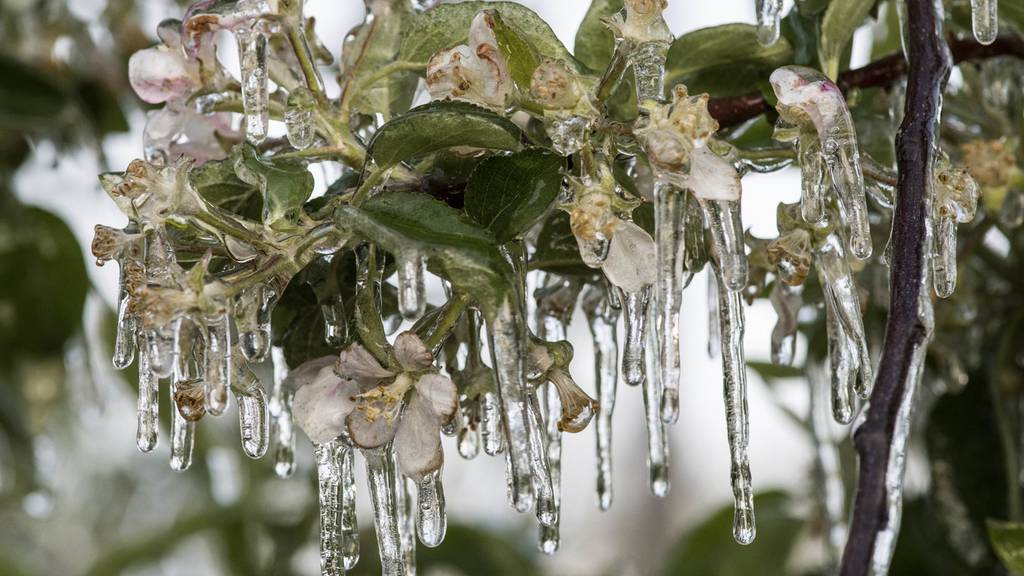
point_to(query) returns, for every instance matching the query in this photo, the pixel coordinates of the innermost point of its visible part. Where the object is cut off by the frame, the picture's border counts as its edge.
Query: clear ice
(670, 227)
(769, 18)
(182, 436)
(252, 411)
(843, 302)
(657, 441)
(298, 118)
(634, 305)
(219, 366)
(603, 319)
(985, 20)
(148, 405)
(384, 488)
(329, 469)
(411, 301)
(282, 428)
(252, 55)
(431, 520)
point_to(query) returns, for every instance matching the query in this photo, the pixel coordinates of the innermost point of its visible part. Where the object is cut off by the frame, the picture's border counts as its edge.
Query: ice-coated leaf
(595, 42)
(459, 248)
(841, 19)
(218, 184)
(516, 48)
(441, 125)
(372, 45)
(447, 25)
(1008, 540)
(723, 60)
(284, 184)
(557, 249)
(506, 194)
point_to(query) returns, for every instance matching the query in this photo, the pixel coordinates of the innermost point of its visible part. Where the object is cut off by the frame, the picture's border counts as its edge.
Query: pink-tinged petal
(439, 393)
(418, 442)
(307, 371)
(371, 431)
(412, 353)
(320, 406)
(160, 74)
(357, 363)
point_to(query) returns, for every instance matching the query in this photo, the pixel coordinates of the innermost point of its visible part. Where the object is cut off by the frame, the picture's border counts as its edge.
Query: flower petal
(418, 442)
(357, 363)
(630, 263)
(307, 372)
(367, 433)
(411, 352)
(320, 406)
(439, 393)
(159, 74)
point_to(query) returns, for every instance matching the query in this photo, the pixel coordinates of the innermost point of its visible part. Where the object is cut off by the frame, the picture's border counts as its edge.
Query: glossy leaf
(841, 19)
(441, 125)
(218, 184)
(515, 47)
(557, 250)
(723, 60)
(1008, 540)
(595, 42)
(506, 194)
(375, 44)
(285, 184)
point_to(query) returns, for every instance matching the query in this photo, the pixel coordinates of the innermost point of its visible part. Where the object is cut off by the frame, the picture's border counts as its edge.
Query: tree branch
(905, 331)
(878, 74)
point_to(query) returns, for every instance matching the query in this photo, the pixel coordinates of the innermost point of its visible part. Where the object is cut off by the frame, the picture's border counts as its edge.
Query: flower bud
(671, 131)
(476, 73)
(790, 253)
(554, 87)
(161, 73)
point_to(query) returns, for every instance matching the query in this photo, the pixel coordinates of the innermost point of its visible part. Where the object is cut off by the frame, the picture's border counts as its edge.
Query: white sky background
(639, 527)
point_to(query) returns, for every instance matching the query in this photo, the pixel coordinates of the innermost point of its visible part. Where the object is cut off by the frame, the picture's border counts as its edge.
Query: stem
(915, 150)
(385, 71)
(233, 229)
(446, 322)
(375, 178)
(612, 75)
(878, 74)
(313, 81)
(368, 322)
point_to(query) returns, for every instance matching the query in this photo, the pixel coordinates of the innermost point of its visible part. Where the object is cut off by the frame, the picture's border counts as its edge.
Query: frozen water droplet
(298, 118)
(410, 285)
(985, 20)
(160, 350)
(252, 50)
(252, 412)
(468, 437)
(648, 61)
(549, 539)
(148, 405)
(218, 363)
(431, 520)
(490, 423)
(769, 17)
(182, 435)
(734, 373)
(282, 431)
(635, 319)
(602, 319)
(568, 134)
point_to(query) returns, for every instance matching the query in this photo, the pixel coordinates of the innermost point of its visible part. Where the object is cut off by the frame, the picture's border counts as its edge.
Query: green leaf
(29, 99)
(456, 247)
(218, 184)
(507, 194)
(447, 25)
(372, 45)
(1008, 540)
(43, 282)
(285, 184)
(812, 7)
(801, 31)
(595, 43)
(441, 125)
(723, 60)
(886, 37)
(557, 250)
(517, 50)
(841, 19)
(710, 548)
(768, 371)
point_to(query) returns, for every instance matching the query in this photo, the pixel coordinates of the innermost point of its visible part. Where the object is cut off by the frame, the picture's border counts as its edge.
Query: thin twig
(915, 150)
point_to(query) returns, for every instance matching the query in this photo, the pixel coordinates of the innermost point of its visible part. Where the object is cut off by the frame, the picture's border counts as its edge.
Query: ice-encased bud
(554, 86)
(641, 21)
(790, 253)
(631, 264)
(577, 407)
(670, 132)
(476, 72)
(162, 73)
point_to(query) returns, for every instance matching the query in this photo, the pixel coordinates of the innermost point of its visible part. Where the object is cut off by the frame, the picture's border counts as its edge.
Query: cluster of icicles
(206, 357)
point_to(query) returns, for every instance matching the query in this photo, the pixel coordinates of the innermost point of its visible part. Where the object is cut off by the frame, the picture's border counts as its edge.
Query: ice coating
(955, 202)
(634, 305)
(279, 407)
(726, 228)
(382, 479)
(786, 300)
(298, 118)
(252, 50)
(182, 436)
(657, 441)
(148, 405)
(670, 226)
(411, 301)
(769, 19)
(602, 319)
(329, 469)
(985, 20)
(810, 101)
(431, 520)
(218, 363)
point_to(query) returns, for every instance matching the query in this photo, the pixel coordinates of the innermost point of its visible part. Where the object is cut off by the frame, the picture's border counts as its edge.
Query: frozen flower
(177, 131)
(205, 17)
(790, 253)
(152, 194)
(158, 306)
(990, 161)
(322, 399)
(554, 86)
(956, 193)
(190, 399)
(807, 98)
(476, 72)
(163, 73)
(379, 416)
(670, 132)
(641, 21)
(110, 243)
(548, 362)
(711, 177)
(631, 262)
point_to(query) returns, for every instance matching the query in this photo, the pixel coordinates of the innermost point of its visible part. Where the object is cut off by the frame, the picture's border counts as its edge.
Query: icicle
(714, 329)
(431, 520)
(541, 467)
(985, 20)
(282, 431)
(218, 363)
(602, 319)
(252, 54)
(380, 471)
(657, 442)
(786, 300)
(545, 413)
(148, 405)
(182, 434)
(954, 199)
(298, 118)
(330, 472)
(253, 308)
(670, 228)
(841, 292)
(648, 60)
(842, 366)
(812, 178)
(635, 305)
(734, 374)
(124, 340)
(943, 255)
(252, 411)
(726, 228)
(468, 439)
(335, 321)
(349, 523)
(827, 466)
(507, 340)
(490, 423)
(410, 285)
(769, 19)
(406, 520)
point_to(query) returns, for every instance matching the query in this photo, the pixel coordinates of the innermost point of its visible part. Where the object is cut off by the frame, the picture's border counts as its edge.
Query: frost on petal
(418, 442)
(631, 262)
(411, 352)
(439, 393)
(320, 406)
(160, 74)
(357, 363)
(711, 177)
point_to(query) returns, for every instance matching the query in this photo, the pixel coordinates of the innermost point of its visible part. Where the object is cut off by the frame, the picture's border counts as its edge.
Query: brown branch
(905, 330)
(878, 74)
